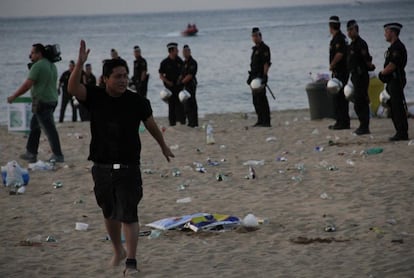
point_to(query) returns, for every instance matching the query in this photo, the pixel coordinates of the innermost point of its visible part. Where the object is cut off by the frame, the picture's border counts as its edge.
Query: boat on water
(191, 30)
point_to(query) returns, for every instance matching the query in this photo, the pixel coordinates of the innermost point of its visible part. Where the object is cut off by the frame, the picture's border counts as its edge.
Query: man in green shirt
(42, 81)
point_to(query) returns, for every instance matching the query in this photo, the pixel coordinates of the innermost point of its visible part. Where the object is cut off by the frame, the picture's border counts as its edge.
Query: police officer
(338, 67)
(189, 81)
(359, 63)
(259, 67)
(140, 77)
(393, 75)
(170, 73)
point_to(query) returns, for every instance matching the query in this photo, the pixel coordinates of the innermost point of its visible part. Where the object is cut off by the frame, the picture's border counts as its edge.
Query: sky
(35, 8)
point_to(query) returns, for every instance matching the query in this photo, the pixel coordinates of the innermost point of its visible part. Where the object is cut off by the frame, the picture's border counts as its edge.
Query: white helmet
(349, 91)
(184, 95)
(165, 94)
(334, 86)
(384, 97)
(256, 84)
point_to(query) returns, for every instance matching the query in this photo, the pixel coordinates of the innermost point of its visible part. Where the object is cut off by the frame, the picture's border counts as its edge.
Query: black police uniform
(190, 106)
(87, 81)
(396, 81)
(140, 65)
(172, 70)
(338, 44)
(358, 60)
(260, 56)
(66, 98)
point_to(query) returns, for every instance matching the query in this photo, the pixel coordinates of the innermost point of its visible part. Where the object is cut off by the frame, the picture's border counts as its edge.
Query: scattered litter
(80, 226)
(324, 196)
(411, 143)
(271, 139)
(391, 221)
(176, 172)
(51, 239)
(281, 159)
(377, 230)
(221, 177)
(319, 149)
(252, 174)
(297, 179)
(80, 201)
(254, 163)
(287, 123)
(183, 186)
(306, 240)
(372, 151)
(350, 162)
(300, 167)
(209, 135)
(174, 147)
(212, 162)
(401, 241)
(315, 132)
(57, 184)
(41, 166)
(154, 234)
(250, 221)
(141, 129)
(197, 222)
(15, 177)
(198, 167)
(199, 151)
(184, 200)
(330, 228)
(148, 171)
(222, 147)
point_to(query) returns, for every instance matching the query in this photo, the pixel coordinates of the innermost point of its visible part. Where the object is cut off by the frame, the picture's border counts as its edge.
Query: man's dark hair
(40, 48)
(88, 65)
(109, 65)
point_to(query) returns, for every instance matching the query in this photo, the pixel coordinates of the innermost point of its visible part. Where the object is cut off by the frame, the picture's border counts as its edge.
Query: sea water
(298, 38)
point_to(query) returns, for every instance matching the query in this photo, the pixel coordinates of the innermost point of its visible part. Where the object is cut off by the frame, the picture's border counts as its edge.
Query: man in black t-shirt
(189, 81)
(116, 114)
(88, 79)
(140, 77)
(259, 67)
(394, 76)
(337, 65)
(170, 73)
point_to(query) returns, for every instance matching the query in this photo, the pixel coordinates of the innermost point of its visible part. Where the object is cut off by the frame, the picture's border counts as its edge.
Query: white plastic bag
(14, 174)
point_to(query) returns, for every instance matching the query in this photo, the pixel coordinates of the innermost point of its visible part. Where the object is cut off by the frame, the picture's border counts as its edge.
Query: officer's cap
(393, 26)
(256, 31)
(186, 47)
(334, 19)
(351, 24)
(136, 48)
(172, 45)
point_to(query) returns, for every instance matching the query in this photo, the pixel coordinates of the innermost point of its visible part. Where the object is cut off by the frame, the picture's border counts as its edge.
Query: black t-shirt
(190, 67)
(397, 54)
(260, 57)
(338, 44)
(88, 80)
(140, 65)
(64, 80)
(115, 125)
(172, 69)
(358, 57)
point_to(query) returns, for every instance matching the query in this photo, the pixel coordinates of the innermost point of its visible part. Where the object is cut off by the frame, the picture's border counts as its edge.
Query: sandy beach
(299, 190)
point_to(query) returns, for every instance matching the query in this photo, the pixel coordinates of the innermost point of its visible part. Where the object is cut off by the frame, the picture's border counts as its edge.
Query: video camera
(52, 53)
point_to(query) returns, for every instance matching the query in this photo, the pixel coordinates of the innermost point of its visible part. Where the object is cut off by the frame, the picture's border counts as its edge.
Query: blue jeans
(43, 119)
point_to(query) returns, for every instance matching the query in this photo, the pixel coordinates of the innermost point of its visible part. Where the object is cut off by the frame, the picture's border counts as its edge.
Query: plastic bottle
(374, 151)
(252, 173)
(209, 135)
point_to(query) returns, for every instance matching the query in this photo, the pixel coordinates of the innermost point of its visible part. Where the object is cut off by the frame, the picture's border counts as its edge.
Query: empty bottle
(209, 135)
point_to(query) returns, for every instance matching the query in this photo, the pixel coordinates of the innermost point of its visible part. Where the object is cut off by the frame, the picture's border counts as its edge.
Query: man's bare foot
(117, 258)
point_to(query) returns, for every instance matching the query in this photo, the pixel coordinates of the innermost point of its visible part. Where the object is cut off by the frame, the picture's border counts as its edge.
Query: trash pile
(15, 177)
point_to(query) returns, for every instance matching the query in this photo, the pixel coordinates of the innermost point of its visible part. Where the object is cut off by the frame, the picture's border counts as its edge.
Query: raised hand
(83, 52)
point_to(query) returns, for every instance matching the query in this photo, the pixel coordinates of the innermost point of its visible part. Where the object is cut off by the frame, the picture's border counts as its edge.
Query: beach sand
(370, 203)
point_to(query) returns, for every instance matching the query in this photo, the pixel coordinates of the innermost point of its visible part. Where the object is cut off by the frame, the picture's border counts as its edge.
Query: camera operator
(42, 80)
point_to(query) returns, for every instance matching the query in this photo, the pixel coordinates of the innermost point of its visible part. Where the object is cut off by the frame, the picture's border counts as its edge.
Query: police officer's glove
(264, 80)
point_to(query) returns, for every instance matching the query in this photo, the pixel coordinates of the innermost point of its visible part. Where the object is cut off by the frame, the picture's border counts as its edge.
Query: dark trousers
(175, 109)
(398, 107)
(142, 87)
(43, 120)
(191, 108)
(83, 113)
(361, 99)
(261, 106)
(66, 98)
(341, 104)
